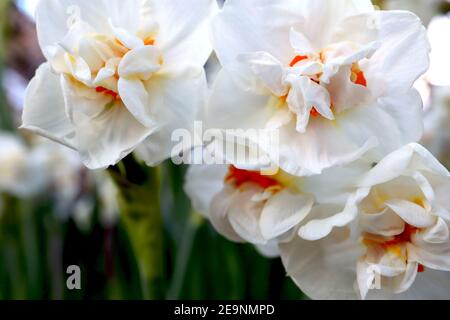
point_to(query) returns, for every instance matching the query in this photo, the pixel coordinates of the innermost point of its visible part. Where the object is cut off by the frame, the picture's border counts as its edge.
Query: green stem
(140, 213)
(11, 241)
(184, 253)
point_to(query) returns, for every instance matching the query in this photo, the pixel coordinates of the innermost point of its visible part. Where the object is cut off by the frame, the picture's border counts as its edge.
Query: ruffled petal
(283, 211)
(44, 112)
(183, 31)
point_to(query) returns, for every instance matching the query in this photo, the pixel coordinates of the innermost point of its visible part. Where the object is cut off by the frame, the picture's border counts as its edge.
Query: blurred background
(54, 213)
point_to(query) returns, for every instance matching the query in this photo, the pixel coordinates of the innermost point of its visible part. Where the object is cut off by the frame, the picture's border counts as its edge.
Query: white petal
(385, 223)
(55, 17)
(129, 40)
(305, 95)
(255, 25)
(90, 54)
(203, 183)
(218, 214)
(184, 31)
(320, 228)
(281, 118)
(335, 184)
(403, 282)
(141, 63)
(44, 111)
(410, 157)
(232, 107)
(361, 29)
(266, 68)
(284, 211)
(79, 69)
(435, 256)
(301, 43)
(323, 269)
(245, 214)
(438, 233)
(365, 277)
(411, 213)
(174, 102)
(322, 17)
(393, 121)
(136, 99)
(323, 145)
(345, 94)
(404, 43)
(105, 130)
(269, 250)
(339, 58)
(106, 74)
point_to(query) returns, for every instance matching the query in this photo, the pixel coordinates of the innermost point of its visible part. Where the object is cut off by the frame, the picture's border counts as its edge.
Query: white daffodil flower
(395, 246)
(20, 168)
(334, 77)
(247, 206)
(118, 73)
(67, 178)
(437, 118)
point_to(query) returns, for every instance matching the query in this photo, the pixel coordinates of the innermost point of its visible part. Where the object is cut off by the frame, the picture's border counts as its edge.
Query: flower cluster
(357, 208)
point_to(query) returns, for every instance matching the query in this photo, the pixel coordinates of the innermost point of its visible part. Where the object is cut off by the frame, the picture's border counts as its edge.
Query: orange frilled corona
(238, 177)
(358, 77)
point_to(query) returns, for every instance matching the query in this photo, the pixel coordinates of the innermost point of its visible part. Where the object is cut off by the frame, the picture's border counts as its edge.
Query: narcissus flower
(396, 243)
(247, 206)
(21, 173)
(118, 73)
(334, 77)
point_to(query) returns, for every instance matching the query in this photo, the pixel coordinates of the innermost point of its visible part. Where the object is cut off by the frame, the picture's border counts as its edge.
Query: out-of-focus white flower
(14, 87)
(399, 233)
(247, 206)
(20, 170)
(335, 77)
(437, 121)
(107, 193)
(42, 168)
(66, 175)
(118, 73)
(438, 31)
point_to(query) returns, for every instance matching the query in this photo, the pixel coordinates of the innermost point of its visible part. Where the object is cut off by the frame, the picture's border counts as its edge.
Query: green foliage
(189, 261)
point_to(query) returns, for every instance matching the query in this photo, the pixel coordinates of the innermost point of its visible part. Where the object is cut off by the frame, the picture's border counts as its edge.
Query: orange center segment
(239, 177)
(402, 238)
(149, 42)
(358, 76)
(297, 59)
(108, 92)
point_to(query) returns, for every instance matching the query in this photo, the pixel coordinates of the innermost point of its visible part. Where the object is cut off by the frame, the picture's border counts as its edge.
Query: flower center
(395, 245)
(357, 76)
(403, 237)
(238, 177)
(150, 41)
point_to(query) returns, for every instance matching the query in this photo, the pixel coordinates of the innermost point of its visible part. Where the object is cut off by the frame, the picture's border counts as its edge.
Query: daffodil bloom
(396, 246)
(334, 77)
(119, 73)
(21, 173)
(246, 205)
(437, 136)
